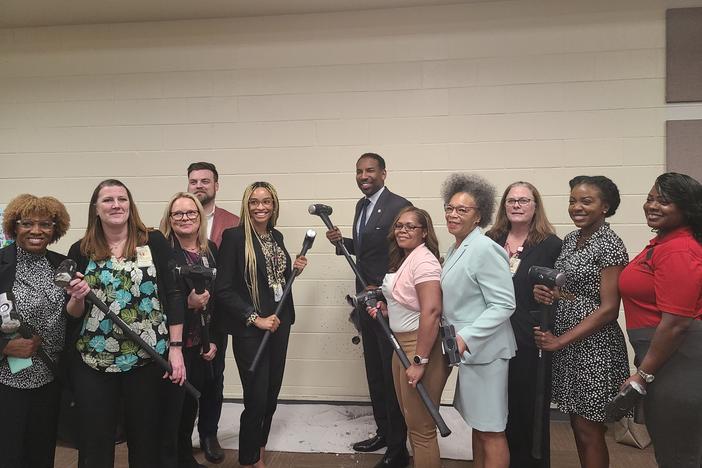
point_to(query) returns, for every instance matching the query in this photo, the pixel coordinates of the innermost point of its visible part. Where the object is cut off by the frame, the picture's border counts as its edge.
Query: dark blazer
(234, 303)
(190, 315)
(542, 254)
(8, 270)
(222, 220)
(372, 254)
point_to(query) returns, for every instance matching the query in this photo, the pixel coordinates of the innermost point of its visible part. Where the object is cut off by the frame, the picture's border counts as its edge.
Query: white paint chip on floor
(324, 428)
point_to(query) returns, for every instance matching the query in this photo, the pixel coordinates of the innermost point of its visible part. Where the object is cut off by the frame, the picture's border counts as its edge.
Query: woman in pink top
(413, 293)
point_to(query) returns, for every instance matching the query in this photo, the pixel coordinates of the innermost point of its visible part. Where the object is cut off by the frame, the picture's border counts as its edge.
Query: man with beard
(203, 182)
(373, 219)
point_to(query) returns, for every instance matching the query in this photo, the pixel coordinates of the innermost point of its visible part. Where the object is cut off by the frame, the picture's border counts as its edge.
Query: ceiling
(32, 13)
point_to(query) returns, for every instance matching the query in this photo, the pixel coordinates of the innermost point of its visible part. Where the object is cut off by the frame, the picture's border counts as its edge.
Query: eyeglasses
(406, 227)
(180, 215)
(460, 210)
(519, 201)
(30, 223)
(267, 202)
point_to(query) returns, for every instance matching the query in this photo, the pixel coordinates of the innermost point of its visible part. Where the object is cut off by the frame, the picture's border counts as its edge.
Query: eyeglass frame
(406, 227)
(28, 224)
(448, 209)
(267, 203)
(521, 201)
(181, 215)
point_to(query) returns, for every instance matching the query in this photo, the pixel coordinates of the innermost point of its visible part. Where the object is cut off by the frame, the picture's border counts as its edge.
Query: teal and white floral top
(129, 288)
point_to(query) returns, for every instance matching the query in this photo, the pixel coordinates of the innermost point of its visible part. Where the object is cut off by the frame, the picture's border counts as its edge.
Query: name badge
(514, 260)
(144, 258)
(514, 264)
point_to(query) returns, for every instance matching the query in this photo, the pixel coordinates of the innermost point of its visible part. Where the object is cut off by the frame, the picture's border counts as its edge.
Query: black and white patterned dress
(587, 374)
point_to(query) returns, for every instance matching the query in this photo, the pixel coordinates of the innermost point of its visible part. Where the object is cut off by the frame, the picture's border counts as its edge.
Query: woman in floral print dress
(126, 266)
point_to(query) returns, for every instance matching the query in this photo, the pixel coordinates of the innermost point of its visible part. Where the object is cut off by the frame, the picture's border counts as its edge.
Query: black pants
(260, 389)
(377, 354)
(100, 396)
(178, 414)
(521, 404)
(211, 398)
(28, 426)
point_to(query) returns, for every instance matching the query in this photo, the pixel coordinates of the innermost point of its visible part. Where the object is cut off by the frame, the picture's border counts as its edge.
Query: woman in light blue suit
(478, 299)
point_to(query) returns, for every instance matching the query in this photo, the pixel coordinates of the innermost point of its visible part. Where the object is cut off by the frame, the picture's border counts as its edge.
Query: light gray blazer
(478, 298)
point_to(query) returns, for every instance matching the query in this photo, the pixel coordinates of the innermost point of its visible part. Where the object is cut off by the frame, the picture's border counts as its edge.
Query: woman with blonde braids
(253, 266)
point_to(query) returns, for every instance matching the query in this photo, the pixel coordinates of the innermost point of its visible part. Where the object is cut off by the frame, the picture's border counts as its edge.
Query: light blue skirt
(481, 395)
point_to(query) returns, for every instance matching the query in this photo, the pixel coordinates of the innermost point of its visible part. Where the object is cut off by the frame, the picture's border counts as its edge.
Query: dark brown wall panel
(683, 55)
(684, 147)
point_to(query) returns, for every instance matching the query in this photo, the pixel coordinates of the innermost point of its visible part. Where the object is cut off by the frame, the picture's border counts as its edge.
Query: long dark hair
(686, 193)
(397, 255)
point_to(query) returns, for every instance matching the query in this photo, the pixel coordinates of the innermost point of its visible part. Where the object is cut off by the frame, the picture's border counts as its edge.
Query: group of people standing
(480, 287)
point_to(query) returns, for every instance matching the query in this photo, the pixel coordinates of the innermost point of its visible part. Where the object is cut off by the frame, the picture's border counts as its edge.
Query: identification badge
(277, 292)
(514, 260)
(514, 264)
(144, 258)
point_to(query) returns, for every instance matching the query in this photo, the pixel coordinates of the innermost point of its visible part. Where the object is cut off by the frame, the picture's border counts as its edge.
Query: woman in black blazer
(253, 266)
(522, 228)
(184, 224)
(29, 388)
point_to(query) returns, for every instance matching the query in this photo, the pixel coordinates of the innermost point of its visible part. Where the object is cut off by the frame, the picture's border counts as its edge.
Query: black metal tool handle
(423, 394)
(62, 281)
(27, 332)
(545, 312)
(433, 410)
(306, 244)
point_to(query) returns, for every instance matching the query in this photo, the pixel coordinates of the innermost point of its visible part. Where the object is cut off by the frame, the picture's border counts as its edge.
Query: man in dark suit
(203, 182)
(373, 219)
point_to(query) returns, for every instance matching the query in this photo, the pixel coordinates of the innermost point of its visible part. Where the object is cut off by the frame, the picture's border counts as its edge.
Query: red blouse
(665, 277)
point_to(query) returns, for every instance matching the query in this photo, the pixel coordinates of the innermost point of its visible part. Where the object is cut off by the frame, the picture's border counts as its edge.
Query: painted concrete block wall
(537, 90)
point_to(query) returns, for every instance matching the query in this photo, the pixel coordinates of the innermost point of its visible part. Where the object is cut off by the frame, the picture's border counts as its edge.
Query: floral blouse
(129, 288)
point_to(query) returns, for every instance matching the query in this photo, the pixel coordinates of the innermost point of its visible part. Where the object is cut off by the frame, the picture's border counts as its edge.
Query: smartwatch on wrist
(419, 360)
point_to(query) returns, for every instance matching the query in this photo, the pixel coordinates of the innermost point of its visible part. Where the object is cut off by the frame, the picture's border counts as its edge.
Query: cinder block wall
(514, 90)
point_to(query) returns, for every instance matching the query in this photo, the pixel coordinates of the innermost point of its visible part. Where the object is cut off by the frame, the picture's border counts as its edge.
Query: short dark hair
(607, 188)
(686, 193)
(482, 191)
(204, 166)
(377, 157)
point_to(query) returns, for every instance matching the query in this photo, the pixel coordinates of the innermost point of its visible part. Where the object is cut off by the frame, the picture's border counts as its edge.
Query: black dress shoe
(213, 451)
(370, 445)
(398, 460)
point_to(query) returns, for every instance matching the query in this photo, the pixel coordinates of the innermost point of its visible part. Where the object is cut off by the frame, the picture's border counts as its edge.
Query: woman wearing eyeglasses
(127, 266)
(413, 293)
(182, 226)
(478, 300)
(523, 230)
(253, 266)
(29, 391)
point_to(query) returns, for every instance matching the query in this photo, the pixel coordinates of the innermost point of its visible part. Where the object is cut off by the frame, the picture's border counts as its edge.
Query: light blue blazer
(478, 298)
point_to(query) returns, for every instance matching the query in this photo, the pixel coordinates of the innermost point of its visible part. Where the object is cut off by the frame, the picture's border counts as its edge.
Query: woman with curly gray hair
(478, 300)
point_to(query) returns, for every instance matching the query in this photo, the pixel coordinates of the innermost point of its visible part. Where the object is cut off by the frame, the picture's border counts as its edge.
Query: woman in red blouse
(662, 293)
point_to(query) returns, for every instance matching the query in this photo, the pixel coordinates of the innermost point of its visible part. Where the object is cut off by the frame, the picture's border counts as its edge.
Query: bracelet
(251, 319)
(176, 344)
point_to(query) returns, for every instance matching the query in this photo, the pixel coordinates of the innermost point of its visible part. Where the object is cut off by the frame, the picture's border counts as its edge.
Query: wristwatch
(419, 360)
(251, 319)
(648, 378)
